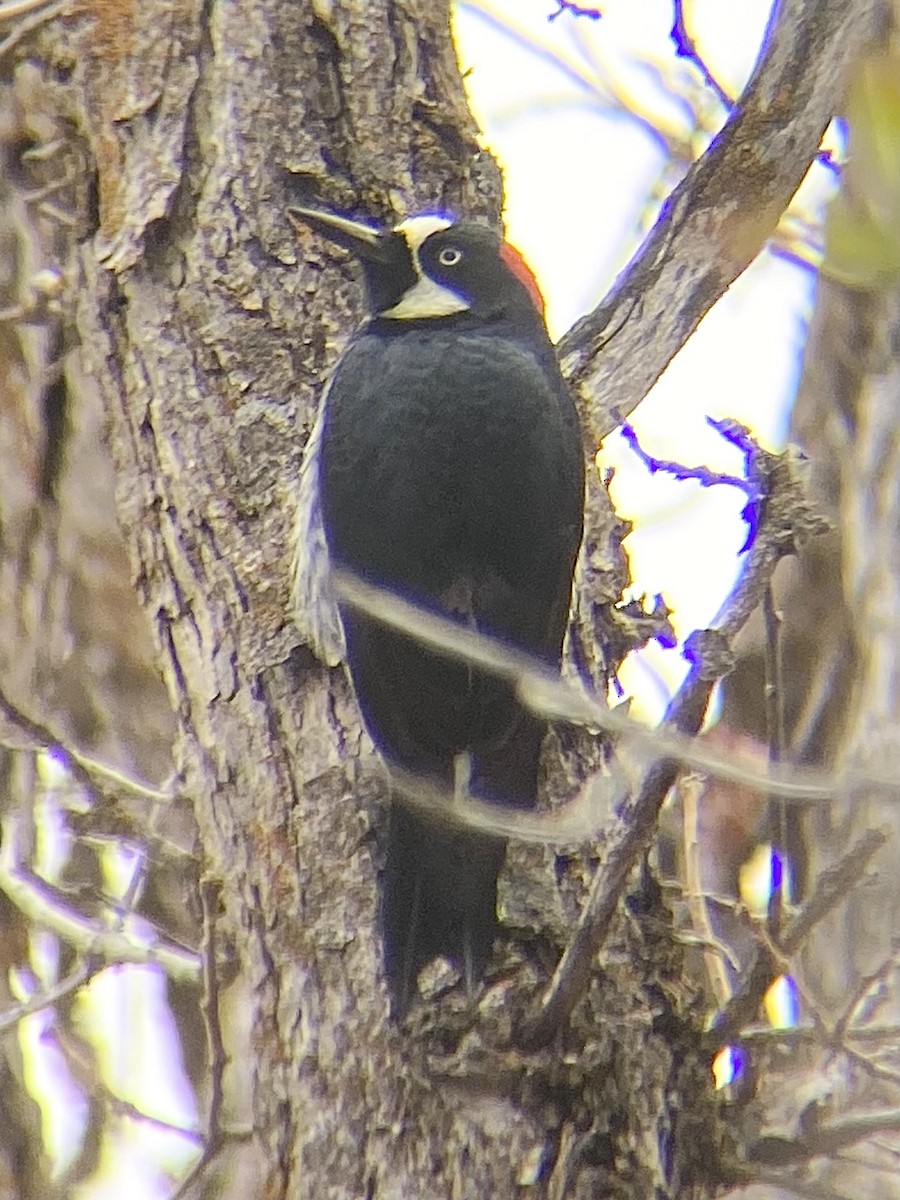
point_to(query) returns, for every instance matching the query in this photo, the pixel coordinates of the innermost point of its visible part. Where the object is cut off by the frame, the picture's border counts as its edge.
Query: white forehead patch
(425, 298)
(416, 229)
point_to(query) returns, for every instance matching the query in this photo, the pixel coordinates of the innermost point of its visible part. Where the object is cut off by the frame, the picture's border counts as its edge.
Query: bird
(445, 465)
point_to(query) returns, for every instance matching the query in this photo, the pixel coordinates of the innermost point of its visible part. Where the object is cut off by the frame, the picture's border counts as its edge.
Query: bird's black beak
(371, 245)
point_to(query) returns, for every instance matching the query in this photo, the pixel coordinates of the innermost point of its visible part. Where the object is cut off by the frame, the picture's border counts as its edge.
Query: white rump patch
(313, 606)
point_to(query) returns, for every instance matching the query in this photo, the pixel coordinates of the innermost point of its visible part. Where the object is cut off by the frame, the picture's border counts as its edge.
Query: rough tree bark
(206, 330)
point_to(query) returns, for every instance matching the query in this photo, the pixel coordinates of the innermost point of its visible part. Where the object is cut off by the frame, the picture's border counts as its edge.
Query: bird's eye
(449, 256)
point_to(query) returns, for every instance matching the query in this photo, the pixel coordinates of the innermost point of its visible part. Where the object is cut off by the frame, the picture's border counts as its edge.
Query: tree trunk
(207, 329)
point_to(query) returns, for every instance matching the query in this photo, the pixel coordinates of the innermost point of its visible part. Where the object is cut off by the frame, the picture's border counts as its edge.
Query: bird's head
(430, 266)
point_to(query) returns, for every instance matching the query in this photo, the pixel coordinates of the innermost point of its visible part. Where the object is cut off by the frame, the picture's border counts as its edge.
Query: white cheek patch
(425, 298)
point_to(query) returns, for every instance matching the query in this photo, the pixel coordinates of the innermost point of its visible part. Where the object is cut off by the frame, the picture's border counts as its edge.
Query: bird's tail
(439, 897)
(439, 890)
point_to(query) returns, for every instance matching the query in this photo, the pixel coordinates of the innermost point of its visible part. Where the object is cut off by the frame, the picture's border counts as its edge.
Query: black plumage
(449, 469)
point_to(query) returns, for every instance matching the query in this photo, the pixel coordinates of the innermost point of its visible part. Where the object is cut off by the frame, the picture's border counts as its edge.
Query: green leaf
(862, 229)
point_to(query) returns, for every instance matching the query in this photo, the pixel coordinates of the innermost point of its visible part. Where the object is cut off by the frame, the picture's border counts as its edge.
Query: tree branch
(686, 47)
(824, 1139)
(831, 888)
(44, 906)
(96, 776)
(786, 517)
(719, 217)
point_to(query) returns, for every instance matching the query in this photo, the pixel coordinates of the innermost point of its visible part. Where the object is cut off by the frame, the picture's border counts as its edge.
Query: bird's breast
(444, 458)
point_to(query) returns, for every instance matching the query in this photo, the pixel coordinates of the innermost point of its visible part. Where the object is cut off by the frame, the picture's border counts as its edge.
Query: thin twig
(816, 698)
(46, 999)
(832, 887)
(705, 476)
(45, 906)
(556, 699)
(94, 775)
(690, 792)
(774, 707)
(605, 94)
(868, 1065)
(686, 47)
(744, 1174)
(67, 179)
(824, 1139)
(216, 1136)
(193, 1173)
(803, 1035)
(13, 9)
(637, 818)
(210, 895)
(18, 8)
(575, 10)
(707, 233)
(571, 824)
(34, 20)
(61, 216)
(125, 1108)
(864, 988)
(869, 1162)
(81, 1061)
(626, 843)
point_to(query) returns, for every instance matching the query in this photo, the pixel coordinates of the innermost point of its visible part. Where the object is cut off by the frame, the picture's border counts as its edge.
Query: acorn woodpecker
(446, 465)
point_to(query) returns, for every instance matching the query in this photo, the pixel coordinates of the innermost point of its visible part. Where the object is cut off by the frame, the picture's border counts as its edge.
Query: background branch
(719, 217)
(786, 522)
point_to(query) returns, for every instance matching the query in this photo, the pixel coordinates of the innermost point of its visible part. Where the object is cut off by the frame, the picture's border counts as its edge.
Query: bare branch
(13, 9)
(210, 895)
(556, 699)
(872, 1068)
(715, 956)
(783, 1181)
(686, 47)
(810, 1034)
(575, 10)
(95, 775)
(831, 888)
(630, 838)
(823, 1139)
(572, 824)
(711, 656)
(44, 905)
(49, 997)
(773, 691)
(788, 520)
(603, 93)
(35, 15)
(864, 989)
(705, 476)
(719, 217)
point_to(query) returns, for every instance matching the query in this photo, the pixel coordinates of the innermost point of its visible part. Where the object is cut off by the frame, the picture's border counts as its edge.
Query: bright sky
(578, 177)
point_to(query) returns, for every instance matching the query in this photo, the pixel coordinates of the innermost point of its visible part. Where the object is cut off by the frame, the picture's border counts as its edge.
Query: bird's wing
(313, 606)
